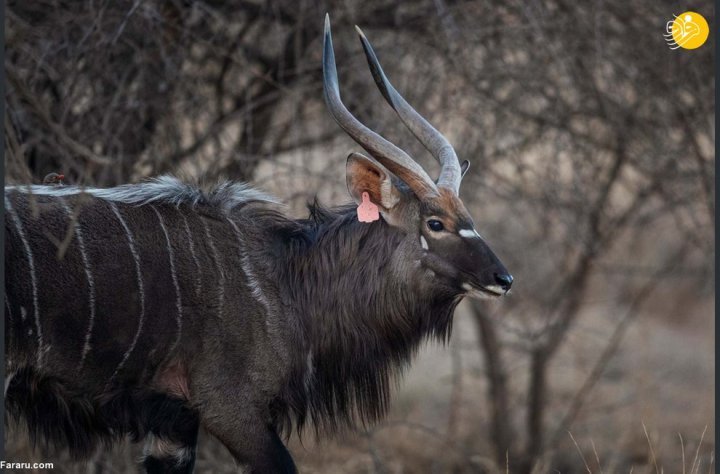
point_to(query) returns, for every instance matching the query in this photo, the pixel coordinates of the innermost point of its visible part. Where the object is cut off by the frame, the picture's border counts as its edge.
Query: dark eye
(435, 225)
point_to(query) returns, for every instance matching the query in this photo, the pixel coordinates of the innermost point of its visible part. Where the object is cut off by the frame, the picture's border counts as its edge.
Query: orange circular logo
(689, 30)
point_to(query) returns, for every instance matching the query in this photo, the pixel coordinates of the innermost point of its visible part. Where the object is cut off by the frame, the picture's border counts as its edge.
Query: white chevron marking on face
(495, 289)
(490, 292)
(423, 242)
(469, 234)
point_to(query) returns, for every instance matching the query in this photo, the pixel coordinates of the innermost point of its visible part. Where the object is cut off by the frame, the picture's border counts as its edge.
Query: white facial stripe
(480, 295)
(469, 234)
(495, 288)
(492, 291)
(423, 242)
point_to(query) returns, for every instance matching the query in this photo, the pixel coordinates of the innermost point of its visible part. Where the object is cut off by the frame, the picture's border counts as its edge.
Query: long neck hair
(364, 311)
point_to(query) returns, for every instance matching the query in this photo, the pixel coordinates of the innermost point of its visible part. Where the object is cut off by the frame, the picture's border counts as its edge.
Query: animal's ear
(364, 174)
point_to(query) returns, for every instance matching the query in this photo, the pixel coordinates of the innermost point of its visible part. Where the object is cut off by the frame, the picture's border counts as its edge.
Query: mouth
(483, 292)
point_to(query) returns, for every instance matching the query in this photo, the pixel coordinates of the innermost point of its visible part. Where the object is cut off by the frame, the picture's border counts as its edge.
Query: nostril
(504, 280)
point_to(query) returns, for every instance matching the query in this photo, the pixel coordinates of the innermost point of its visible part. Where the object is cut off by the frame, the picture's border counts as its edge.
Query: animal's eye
(435, 225)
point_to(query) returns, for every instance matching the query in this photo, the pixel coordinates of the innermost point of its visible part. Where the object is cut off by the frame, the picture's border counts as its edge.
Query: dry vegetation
(592, 175)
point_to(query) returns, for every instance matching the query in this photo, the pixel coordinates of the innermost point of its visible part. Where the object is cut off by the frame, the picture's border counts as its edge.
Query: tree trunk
(501, 427)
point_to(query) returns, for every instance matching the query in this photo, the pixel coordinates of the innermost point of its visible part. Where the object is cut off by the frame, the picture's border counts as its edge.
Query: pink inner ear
(367, 211)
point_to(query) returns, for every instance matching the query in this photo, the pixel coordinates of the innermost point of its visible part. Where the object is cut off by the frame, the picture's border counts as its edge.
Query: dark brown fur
(345, 315)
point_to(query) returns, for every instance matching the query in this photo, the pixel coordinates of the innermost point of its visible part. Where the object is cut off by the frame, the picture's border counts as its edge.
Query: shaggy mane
(363, 326)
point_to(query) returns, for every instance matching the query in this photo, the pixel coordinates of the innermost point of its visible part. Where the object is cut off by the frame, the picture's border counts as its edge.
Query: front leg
(252, 441)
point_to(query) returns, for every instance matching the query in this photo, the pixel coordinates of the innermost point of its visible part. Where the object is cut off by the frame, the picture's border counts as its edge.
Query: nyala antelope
(152, 309)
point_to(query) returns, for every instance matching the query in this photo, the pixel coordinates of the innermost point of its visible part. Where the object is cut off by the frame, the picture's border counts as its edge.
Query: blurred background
(592, 176)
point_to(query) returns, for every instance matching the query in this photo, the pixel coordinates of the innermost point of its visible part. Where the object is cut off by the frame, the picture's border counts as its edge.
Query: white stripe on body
(216, 261)
(88, 276)
(257, 291)
(198, 268)
(33, 278)
(178, 298)
(10, 326)
(8, 379)
(9, 311)
(249, 272)
(138, 270)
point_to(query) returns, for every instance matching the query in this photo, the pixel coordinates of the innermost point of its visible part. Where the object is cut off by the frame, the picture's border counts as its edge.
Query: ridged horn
(434, 141)
(393, 158)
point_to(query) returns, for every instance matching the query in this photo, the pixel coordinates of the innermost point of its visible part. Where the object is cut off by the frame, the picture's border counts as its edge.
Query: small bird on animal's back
(54, 179)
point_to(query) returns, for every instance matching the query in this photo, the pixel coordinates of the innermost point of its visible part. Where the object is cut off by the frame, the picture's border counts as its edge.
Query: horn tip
(360, 32)
(327, 23)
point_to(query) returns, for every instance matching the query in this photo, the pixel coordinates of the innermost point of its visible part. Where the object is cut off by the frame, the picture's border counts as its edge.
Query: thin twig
(697, 451)
(652, 451)
(582, 456)
(712, 462)
(682, 449)
(597, 458)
